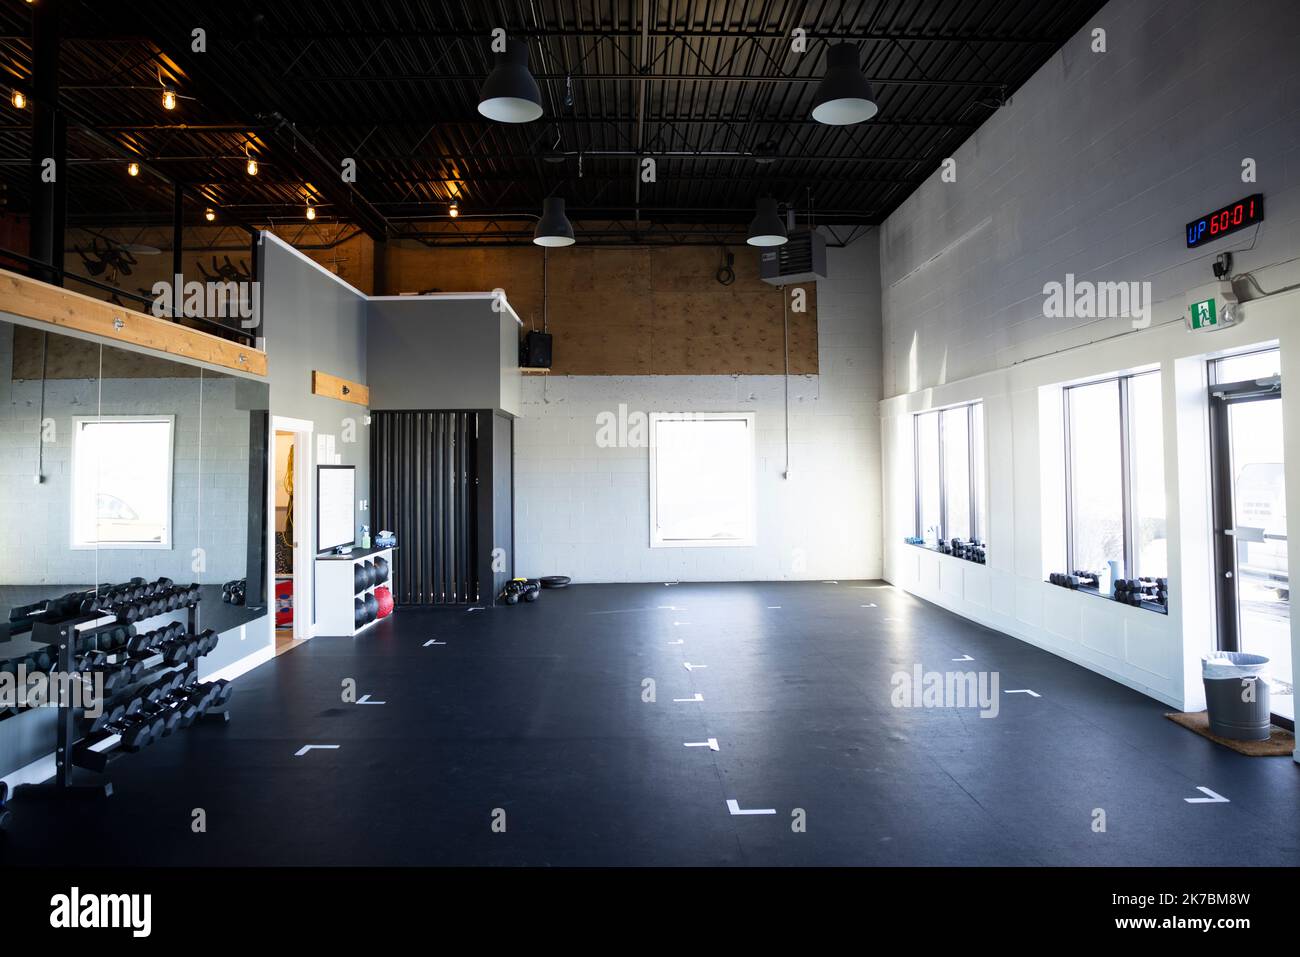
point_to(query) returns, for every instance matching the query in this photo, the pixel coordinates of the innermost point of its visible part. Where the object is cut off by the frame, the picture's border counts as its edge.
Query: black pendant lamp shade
(554, 228)
(510, 94)
(767, 228)
(844, 96)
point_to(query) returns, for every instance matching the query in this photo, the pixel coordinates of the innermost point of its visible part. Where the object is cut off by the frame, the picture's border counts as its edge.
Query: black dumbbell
(224, 689)
(207, 639)
(179, 650)
(127, 722)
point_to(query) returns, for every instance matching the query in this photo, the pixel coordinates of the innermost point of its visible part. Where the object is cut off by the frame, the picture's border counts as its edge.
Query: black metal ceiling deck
(713, 90)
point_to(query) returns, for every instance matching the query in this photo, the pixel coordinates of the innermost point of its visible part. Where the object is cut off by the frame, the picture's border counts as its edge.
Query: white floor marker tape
(475, 608)
(964, 658)
(871, 605)
(734, 807)
(1211, 798)
(830, 583)
(773, 606)
(690, 667)
(698, 697)
(711, 744)
(1032, 694)
(315, 747)
(676, 623)
(365, 699)
(679, 641)
(432, 642)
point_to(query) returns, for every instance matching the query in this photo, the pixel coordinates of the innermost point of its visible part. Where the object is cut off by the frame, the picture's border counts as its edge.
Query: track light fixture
(554, 228)
(133, 169)
(510, 94)
(18, 100)
(844, 96)
(766, 228)
(209, 214)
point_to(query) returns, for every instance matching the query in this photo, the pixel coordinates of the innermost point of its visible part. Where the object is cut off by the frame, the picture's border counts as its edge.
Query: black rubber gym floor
(534, 716)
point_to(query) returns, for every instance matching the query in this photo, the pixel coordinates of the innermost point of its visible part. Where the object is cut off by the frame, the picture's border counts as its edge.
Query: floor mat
(1280, 743)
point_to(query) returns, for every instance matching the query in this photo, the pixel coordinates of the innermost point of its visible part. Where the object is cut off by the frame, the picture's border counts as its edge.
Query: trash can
(1236, 695)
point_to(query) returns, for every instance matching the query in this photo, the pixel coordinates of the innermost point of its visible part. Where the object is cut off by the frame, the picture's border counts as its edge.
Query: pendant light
(554, 228)
(767, 228)
(844, 96)
(510, 94)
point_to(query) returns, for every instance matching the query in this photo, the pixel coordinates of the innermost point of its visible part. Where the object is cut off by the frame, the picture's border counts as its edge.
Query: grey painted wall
(1093, 169)
(442, 354)
(313, 322)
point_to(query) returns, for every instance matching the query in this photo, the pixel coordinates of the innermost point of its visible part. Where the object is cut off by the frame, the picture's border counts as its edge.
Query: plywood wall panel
(636, 311)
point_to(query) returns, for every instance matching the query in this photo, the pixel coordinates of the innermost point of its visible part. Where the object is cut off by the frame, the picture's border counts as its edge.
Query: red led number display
(1229, 219)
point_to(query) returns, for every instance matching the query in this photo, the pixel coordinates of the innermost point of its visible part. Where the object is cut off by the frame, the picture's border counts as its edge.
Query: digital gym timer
(1225, 220)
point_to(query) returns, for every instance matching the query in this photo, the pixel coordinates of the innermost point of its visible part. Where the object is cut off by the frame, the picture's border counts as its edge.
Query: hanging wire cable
(785, 348)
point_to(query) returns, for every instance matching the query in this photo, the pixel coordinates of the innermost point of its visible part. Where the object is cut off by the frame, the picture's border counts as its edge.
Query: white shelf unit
(335, 594)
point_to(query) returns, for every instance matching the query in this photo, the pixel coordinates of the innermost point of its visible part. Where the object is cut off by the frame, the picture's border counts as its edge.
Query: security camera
(1222, 265)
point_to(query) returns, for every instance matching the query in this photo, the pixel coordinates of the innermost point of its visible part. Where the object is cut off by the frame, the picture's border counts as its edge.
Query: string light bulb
(209, 214)
(133, 169)
(311, 210)
(18, 100)
(453, 210)
(169, 99)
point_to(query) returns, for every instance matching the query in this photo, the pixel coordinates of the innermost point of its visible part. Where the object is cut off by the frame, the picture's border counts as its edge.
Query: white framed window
(948, 468)
(701, 479)
(1115, 479)
(122, 481)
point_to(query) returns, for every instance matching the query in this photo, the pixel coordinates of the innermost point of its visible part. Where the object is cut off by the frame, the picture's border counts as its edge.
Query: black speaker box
(535, 351)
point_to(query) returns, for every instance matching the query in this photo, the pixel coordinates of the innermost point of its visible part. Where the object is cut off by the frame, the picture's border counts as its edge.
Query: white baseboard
(243, 665)
(42, 769)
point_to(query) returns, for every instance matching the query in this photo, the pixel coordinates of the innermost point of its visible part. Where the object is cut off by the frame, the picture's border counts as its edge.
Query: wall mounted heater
(802, 259)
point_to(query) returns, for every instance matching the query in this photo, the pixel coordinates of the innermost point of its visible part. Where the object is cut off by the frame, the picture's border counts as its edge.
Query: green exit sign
(1204, 314)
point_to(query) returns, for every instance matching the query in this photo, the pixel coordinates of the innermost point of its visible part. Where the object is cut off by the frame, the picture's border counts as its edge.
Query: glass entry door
(1254, 588)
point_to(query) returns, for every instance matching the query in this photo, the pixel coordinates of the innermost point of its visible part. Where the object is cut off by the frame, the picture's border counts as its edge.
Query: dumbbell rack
(67, 761)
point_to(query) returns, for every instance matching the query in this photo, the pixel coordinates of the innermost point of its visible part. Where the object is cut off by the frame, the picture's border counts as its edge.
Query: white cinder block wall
(583, 511)
(1093, 169)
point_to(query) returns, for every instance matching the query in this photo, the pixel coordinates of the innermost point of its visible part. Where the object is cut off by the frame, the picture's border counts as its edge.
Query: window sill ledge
(939, 551)
(1095, 593)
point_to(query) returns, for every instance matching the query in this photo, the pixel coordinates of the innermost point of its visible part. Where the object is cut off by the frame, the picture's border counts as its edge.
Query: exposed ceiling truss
(715, 91)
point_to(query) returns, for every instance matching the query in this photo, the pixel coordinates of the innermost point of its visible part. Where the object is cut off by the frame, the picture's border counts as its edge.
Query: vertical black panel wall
(429, 472)
(503, 498)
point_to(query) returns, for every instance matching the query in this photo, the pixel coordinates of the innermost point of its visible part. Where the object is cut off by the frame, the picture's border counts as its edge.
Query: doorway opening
(290, 532)
(1250, 549)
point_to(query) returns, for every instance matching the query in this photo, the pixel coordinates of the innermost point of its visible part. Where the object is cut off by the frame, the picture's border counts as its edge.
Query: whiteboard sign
(336, 491)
